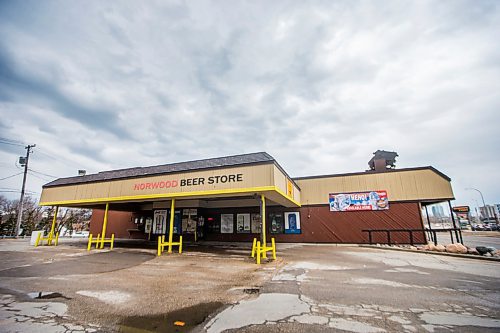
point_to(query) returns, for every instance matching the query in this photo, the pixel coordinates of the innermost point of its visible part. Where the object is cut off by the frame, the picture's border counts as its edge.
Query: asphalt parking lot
(314, 288)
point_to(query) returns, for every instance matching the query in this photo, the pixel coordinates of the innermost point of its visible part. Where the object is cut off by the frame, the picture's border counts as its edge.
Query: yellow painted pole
(112, 241)
(258, 252)
(97, 241)
(104, 225)
(90, 242)
(263, 217)
(159, 246)
(254, 244)
(53, 227)
(171, 227)
(274, 248)
(38, 238)
(180, 245)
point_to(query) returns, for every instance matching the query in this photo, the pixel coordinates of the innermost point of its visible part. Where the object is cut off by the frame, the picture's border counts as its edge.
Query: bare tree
(40, 218)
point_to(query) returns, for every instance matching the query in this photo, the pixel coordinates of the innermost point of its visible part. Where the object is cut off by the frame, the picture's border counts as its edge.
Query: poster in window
(226, 223)
(275, 223)
(292, 223)
(256, 224)
(189, 218)
(243, 223)
(147, 225)
(159, 222)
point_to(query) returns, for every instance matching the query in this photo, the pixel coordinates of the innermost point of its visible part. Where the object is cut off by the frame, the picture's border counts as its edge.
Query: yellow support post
(104, 225)
(274, 248)
(98, 239)
(263, 217)
(159, 246)
(38, 238)
(90, 242)
(52, 228)
(258, 252)
(254, 244)
(180, 245)
(171, 227)
(57, 239)
(112, 241)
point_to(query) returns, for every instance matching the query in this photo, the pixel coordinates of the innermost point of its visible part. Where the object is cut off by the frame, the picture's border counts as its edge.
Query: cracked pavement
(313, 288)
(342, 289)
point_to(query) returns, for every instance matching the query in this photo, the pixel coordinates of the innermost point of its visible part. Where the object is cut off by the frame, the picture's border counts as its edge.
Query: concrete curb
(458, 255)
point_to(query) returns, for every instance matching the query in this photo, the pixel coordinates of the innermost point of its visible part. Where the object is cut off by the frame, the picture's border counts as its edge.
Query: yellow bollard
(112, 241)
(254, 244)
(97, 241)
(159, 246)
(38, 239)
(258, 253)
(171, 226)
(180, 244)
(274, 248)
(57, 239)
(90, 242)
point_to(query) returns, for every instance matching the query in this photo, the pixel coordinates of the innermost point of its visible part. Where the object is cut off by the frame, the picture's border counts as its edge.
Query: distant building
(489, 211)
(438, 211)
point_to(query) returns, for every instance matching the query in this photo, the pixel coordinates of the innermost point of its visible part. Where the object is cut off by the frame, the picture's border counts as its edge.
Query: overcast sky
(319, 85)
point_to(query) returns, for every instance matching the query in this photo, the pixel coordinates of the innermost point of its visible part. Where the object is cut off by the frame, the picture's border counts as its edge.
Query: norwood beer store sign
(222, 179)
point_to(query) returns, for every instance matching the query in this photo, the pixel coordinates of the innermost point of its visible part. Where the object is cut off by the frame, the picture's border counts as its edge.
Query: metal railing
(431, 232)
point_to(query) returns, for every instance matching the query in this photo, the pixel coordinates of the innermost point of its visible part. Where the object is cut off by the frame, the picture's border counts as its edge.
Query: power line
(17, 174)
(59, 159)
(42, 178)
(12, 141)
(41, 173)
(17, 191)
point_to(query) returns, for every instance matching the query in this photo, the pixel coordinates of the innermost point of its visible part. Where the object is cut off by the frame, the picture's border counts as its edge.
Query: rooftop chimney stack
(383, 160)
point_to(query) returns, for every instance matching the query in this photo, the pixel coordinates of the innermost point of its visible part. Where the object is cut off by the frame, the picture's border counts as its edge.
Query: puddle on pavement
(251, 290)
(46, 295)
(191, 316)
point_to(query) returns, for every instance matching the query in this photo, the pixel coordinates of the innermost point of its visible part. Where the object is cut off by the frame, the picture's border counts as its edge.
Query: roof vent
(383, 160)
(82, 172)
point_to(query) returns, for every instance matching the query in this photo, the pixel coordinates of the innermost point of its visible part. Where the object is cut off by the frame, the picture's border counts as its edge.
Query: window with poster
(256, 223)
(243, 223)
(292, 223)
(189, 220)
(160, 222)
(226, 223)
(275, 223)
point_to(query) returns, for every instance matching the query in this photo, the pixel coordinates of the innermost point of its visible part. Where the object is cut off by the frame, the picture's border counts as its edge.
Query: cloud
(319, 85)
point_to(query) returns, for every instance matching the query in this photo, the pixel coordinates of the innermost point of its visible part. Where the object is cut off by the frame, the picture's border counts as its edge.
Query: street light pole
(482, 198)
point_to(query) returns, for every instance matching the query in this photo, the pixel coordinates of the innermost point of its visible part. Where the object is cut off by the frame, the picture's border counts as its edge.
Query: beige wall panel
(279, 179)
(252, 176)
(296, 194)
(401, 186)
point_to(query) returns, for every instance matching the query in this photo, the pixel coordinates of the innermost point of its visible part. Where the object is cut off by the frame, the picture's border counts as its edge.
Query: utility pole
(21, 202)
